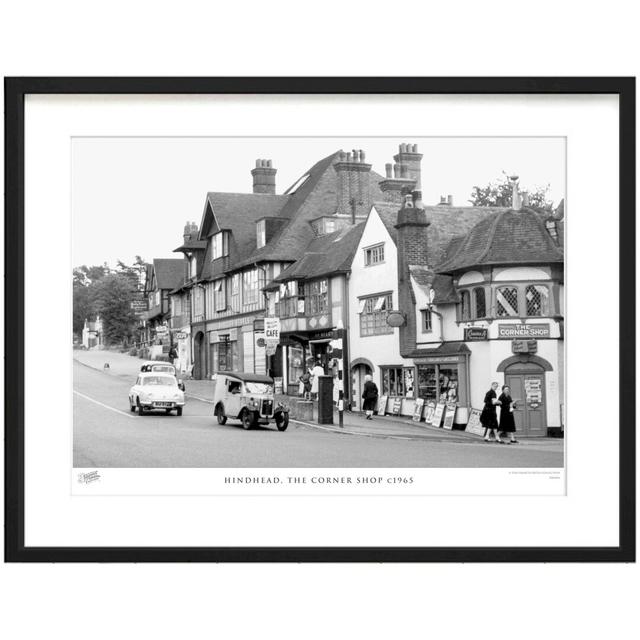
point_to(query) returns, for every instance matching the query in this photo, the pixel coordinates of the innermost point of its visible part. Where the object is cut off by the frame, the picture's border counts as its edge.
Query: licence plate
(163, 404)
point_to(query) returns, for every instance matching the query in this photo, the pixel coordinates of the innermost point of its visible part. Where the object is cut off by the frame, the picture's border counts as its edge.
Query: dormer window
(219, 245)
(193, 267)
(261, 233)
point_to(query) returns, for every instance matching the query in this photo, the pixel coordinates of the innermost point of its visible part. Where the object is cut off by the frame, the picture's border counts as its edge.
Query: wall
(381, 349)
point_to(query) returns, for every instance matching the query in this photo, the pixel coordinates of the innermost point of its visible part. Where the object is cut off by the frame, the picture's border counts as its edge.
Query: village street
(107, 434)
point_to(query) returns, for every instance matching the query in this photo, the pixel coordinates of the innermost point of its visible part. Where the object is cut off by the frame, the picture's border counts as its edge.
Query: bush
(133, 351)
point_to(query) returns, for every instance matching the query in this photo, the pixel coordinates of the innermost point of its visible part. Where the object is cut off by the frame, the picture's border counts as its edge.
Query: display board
(395, 407)
(429, 411)
(382, 405)
(449, 415)
(417, 410)
(438, 413)
(474, 425)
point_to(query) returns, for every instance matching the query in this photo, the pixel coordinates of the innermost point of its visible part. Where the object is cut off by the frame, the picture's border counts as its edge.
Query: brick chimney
(264, 177)
(190, 231)
(354, 183)
(402, 177)
(412, 225)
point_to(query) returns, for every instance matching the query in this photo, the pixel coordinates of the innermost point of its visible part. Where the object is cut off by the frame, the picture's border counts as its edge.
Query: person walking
(305, 385)
(507, 422)
(488, 417)
(370, 396)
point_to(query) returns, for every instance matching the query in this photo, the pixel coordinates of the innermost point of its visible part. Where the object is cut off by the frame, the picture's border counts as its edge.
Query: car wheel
(132, 407)
(282, 421)
(140, 408)
(222, 419)
(179, 411)
(247, 419)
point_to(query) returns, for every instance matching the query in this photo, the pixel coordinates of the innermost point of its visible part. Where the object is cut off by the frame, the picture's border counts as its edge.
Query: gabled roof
(169, 272)
(506, 237)
(332, 253)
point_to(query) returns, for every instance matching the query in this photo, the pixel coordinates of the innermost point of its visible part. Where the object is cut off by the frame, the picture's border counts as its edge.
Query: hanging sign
(417, 409)
(382, 405)
(449, 415)
(271, 335)
(473, 334)
(474, 425)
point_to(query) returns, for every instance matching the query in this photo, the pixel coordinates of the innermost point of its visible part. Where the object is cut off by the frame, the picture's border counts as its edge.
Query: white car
(156, 391)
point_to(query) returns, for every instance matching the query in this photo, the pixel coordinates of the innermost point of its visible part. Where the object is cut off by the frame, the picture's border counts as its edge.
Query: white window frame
(374, 255)
(427, 321)
(261, 233)
(219, 248)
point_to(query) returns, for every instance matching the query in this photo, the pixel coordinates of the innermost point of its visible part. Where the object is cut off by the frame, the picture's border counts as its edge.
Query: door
(526, 381)
(357, 379)
(199, 363)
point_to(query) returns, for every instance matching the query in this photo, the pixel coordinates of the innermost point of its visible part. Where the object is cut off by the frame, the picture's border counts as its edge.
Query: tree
(110, 298)
(500, 193)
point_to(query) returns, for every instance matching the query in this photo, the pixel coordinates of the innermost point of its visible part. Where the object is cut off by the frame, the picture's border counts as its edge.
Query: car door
(233, 400)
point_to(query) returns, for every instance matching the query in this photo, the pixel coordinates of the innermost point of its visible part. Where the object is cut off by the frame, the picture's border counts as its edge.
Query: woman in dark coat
(507, 423)
(488, 417)
(370, 396)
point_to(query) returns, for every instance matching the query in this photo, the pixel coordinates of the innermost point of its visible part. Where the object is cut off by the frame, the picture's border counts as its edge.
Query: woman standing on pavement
(488, 416)
(507, 423)
(370, 396)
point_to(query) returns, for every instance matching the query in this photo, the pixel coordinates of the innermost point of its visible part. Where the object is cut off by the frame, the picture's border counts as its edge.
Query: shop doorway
(359, 369)
(527, 382)
(199, 362)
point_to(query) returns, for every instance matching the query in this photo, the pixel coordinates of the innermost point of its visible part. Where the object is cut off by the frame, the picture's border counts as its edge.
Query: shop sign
(396, 318)
(417, 410)
(437, 359)
(473, 334)
(533, 390)
(474, 425)
(139, 306)
(161, 329)
(524, 346)
(524, 331)
(181, 335)
(382, 405)
(272, 329)
(449, 415)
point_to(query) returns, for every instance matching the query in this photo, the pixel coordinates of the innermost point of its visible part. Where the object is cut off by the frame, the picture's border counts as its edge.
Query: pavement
(124, 366)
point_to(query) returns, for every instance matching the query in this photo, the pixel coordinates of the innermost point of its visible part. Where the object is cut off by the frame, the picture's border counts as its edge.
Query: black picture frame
(15, 91)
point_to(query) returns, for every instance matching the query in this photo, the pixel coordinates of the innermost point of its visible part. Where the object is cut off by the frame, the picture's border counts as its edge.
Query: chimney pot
(396, 170)
(404, 171)
(403, 148)
(450, 199)
(343, 156)
(356, 155)
(389, 170)
(443, 200)
(362, 155)
(415, 148)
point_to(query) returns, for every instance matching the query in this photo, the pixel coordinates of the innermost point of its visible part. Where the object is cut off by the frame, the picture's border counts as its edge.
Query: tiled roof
(169, 272)
(316, 197)
(442, 285)
(191, 245)
(332, 253)
(506, 237)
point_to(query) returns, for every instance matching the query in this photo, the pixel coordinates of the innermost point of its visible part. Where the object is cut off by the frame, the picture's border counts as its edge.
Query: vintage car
(154, 391)
(161, 367)
(249, 398)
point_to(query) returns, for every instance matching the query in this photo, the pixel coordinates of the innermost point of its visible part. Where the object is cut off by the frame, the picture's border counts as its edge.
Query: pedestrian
(370, 396)
(507, 422)
(173, 354)
(305, 385)
(488, 417)
(318, 370)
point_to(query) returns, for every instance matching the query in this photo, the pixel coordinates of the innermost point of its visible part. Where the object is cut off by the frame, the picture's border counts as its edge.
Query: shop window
(392, 381)
(448, 383)
(317, 297)
(427, 324)
(296, 365)
(506, 302)
(409, 382)
(373, 315)
(537, 300)
(224, 354)
(480, 303)
(427, 382)
(374, 255)
(465, 306)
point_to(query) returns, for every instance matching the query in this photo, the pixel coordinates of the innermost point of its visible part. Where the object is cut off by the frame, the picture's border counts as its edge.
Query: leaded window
(506, 301)
(465, 307)
(317, 296)
(537, 300)
(480, 303)
(373, 315)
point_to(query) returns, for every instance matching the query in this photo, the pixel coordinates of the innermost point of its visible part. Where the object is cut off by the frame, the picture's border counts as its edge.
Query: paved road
(107, 434)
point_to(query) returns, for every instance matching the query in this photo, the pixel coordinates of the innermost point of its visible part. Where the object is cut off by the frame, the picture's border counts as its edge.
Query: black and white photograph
(314, 302)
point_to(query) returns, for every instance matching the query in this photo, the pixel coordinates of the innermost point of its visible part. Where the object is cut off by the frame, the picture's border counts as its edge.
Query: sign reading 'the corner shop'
(511, 331)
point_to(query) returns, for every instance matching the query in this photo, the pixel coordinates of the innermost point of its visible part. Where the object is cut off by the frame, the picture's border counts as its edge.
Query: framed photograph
(212, 283)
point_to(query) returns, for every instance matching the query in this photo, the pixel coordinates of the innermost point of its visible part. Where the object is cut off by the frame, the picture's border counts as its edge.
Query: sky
(133, 196)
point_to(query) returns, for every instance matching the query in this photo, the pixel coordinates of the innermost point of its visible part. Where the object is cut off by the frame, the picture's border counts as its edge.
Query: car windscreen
(163, 369)
(159, 381)
(259, 387)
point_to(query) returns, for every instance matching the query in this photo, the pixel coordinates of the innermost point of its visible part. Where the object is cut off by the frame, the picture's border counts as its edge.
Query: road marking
(106, 406)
